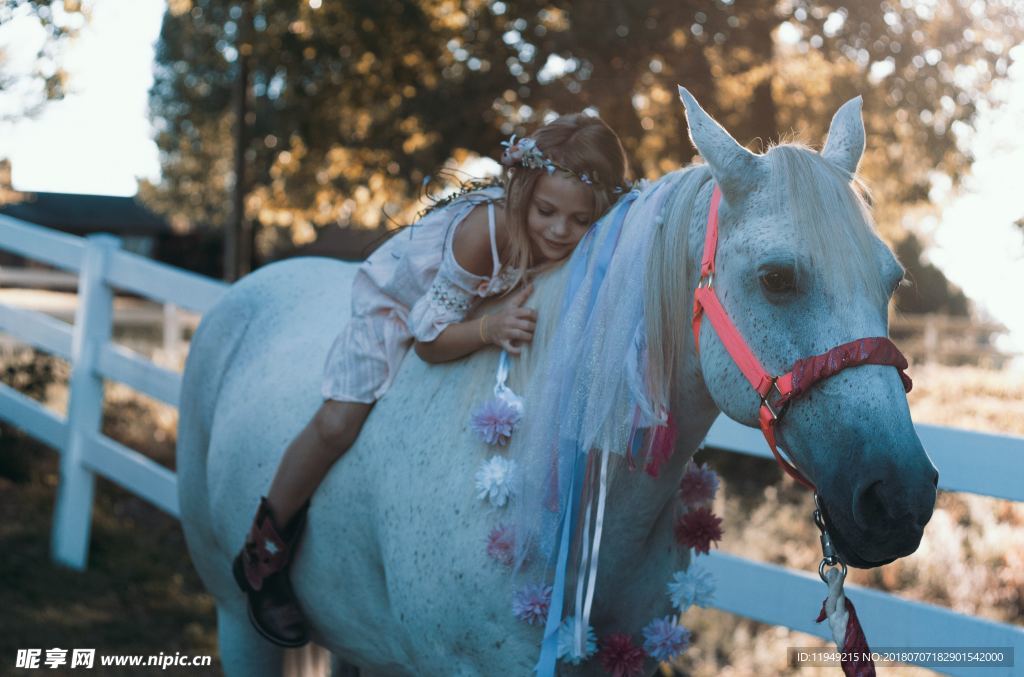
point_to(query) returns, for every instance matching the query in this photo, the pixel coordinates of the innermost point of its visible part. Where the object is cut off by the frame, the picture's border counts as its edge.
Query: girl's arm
(509, 328)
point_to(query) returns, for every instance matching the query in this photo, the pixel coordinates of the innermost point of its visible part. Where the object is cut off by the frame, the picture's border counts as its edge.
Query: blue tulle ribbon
(572, 460)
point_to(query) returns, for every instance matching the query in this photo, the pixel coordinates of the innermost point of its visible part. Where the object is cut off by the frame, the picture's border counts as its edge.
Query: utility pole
(238, 237)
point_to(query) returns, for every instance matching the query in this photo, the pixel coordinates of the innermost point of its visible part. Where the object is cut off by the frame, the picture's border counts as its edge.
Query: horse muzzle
(879, 522)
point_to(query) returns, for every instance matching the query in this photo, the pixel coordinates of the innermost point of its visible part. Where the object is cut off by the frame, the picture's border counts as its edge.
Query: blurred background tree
(31, 79)
(354, 104)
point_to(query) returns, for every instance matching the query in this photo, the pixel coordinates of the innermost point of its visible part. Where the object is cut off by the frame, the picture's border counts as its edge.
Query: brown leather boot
(261, 571)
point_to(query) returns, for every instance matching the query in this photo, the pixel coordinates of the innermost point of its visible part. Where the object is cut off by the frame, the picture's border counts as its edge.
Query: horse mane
(666, 306)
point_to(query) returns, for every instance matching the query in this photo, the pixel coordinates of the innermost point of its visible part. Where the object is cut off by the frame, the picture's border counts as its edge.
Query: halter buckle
(776, 415)
(706, 280)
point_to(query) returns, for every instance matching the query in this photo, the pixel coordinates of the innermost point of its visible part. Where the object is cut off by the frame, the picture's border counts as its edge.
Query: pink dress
(410, 288)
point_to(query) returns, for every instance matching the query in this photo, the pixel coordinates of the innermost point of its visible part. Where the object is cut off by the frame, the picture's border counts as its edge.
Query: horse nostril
(869, 506)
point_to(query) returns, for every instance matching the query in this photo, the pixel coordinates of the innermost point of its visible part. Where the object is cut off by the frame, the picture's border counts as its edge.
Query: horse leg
(311, 660)
(243, 652)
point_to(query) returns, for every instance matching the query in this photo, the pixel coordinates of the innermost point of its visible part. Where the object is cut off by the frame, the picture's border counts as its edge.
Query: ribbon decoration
(569, 460)
(501, 389)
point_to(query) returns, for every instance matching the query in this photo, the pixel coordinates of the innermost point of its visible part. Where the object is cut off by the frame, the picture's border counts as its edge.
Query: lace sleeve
(453, 292)
(451, 295)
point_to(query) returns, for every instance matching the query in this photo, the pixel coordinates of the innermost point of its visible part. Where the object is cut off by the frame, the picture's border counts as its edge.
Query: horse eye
(778, 280)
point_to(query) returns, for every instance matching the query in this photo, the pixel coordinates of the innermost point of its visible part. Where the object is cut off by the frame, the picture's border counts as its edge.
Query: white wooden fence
(86, 344)
(946, 339)
(992, 465)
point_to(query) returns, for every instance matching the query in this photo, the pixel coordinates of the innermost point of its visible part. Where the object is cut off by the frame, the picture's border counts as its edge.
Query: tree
(354, 103)
(928, 290)
(28, 83)
(7, 192)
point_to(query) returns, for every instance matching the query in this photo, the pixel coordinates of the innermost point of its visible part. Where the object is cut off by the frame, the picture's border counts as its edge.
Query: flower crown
(526, 153)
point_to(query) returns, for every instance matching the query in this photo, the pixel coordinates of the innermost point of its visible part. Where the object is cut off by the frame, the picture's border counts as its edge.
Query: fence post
(931, 339)
(172, 334)
(94, 313)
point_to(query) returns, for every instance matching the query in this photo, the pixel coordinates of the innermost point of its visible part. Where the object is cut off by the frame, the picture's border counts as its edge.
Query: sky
(98, 140)
(973, 240)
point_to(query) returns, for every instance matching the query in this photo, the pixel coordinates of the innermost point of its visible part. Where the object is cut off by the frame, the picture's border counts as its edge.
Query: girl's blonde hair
(581, 143)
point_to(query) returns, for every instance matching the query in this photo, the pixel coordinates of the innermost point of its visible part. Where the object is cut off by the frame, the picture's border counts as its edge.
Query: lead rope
(841, 615)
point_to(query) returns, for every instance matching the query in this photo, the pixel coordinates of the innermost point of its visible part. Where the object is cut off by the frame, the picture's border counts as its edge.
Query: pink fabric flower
(494, 421)
(501, 545)
(698, 486)
(620, 657)
(531, 602)
(697, 529)
(664, 639)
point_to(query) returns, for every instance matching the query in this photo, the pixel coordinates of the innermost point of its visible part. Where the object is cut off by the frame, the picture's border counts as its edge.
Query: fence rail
(994, 465)
(948, 339)
(85, 452)
(37, 279)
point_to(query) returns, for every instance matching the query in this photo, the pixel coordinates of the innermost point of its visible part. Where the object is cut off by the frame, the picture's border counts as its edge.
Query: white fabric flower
(693, 586)
(494, 480)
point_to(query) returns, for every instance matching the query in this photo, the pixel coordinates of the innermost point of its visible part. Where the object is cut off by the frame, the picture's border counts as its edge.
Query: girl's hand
(513, 325)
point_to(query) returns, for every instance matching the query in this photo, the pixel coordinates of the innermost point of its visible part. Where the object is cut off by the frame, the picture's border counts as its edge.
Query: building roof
(74, 213)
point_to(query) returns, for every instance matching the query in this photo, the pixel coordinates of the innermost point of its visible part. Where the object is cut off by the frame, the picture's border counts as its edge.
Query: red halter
(805, 372)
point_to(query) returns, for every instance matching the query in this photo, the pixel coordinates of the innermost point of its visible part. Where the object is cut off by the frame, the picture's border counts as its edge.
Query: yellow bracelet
(483, 324)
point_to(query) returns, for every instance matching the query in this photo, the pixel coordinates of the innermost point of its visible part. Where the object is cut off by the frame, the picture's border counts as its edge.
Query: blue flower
(495, 420)
(693, 586)
(664, 639)
(567, 641)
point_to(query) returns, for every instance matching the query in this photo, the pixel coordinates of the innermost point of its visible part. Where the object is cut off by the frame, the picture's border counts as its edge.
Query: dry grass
(139, 594)
(968, 397)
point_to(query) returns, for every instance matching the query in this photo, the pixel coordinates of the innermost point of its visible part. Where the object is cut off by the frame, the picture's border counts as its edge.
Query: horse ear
(734, 167)
(845, 142)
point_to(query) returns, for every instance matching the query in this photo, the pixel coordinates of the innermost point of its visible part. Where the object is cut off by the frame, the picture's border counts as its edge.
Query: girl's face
(560, 213)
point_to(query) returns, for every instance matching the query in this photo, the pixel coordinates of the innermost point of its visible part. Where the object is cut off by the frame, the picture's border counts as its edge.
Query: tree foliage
(354, 103)
(27, 81)
(928, 290)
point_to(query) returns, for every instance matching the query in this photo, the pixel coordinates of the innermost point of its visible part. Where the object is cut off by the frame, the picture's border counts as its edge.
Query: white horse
(392, 572)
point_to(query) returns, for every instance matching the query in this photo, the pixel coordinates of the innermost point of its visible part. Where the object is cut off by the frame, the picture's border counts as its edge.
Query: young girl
(415, 290)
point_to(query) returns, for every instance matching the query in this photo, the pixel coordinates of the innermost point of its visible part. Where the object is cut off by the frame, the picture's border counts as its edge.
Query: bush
(31, 373)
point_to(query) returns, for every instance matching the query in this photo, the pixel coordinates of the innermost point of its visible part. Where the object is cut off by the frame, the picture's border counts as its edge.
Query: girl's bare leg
(327, 436)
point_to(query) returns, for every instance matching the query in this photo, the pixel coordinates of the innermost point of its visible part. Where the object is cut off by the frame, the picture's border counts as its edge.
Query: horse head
(800, 270)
